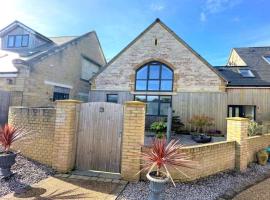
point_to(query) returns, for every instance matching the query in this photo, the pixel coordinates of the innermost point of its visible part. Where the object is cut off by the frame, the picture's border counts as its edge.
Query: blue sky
(211, 27)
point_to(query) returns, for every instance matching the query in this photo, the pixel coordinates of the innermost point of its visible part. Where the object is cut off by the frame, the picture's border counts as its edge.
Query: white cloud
(157, 7)
(217, 6)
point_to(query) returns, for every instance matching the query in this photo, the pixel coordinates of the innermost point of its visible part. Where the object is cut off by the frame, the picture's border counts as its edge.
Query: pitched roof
(54, 45)
(254, 58)
(16, 23)
(62, 39)
(176, 37)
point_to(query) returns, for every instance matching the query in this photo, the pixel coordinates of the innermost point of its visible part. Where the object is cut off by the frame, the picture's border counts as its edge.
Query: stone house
(37, 70)
(161, 69)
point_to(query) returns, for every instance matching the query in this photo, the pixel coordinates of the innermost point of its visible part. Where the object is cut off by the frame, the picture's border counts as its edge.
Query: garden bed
(222, 185)
(27, 172)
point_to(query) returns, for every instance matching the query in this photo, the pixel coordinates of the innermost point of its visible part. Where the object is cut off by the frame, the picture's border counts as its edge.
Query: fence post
(237, 130)
(132, 140)
(64, 148)
(169, 124)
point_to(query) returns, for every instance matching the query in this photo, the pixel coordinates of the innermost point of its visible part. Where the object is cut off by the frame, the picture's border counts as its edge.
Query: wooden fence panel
(99, 137)
(4, 106)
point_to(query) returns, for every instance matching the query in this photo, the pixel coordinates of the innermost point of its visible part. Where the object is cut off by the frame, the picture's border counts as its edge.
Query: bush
(177, 124)
(254, 128)
(200, 122)
(159, 128)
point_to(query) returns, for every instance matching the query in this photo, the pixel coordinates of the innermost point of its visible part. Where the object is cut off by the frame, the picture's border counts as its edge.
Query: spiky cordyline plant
(10, 134)
(164, 156)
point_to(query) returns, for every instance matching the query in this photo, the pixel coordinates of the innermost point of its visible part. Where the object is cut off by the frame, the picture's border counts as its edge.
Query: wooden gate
(4, 106)
(99, 137)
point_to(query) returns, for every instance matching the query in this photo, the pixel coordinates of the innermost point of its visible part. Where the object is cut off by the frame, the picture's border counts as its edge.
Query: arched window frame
(156, 104)
(148, 78)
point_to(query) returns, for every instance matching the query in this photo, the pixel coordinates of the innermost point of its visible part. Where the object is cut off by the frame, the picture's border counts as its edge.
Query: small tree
(159, 128)
(200, 122)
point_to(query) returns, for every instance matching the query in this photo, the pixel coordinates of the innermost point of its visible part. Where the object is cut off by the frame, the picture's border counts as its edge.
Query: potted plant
(200, 123)
(159, 128)
(8, 135)
(159, 160)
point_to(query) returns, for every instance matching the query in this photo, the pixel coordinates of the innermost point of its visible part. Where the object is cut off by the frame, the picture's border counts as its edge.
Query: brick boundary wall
(41, 121)
(212, 158)
(53, 141)
(256, 143)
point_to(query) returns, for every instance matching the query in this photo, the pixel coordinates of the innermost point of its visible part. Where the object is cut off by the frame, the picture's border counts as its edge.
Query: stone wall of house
(63, 67)
(255, 144)
(190, 72)
(212, 158)
(37, 145)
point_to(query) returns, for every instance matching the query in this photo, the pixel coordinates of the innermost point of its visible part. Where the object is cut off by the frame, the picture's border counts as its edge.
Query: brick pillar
(132, 140)
(64, 149)
(237, 130)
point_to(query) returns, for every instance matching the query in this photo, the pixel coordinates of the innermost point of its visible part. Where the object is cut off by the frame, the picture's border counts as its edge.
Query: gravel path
(224, 185)
(27, 172)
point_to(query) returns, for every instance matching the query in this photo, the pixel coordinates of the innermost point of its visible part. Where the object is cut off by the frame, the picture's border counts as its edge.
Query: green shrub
(254, 128)
(159, 128)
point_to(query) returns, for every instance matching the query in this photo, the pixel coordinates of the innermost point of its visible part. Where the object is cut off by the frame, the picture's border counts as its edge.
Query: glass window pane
(25, 40)
(166, 85)
(140, 85)
(166, 73)
(153, 85)
(152, 98)
(154, 71)
(166, 99)
(113, 98)
(11, 40)
(140, 98)
(236, 110)
(230, 112)
(164, 108)
(142, 73)
(249, 112)
(18, 41)
(152, 108)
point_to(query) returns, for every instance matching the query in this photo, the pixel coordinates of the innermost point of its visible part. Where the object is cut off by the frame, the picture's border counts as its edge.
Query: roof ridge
(58, 47)
(157, 20)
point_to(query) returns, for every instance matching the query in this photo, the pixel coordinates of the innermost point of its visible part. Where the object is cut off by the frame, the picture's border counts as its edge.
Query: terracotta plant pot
(6, 162)
(262, 157)
(157, 185)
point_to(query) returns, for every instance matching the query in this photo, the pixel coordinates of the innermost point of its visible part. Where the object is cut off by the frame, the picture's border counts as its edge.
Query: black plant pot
(201, 138)
(157, 185)
(6, 161)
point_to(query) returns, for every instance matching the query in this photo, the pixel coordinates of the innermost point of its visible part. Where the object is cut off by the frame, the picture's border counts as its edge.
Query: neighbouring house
(248, 88)
(38, 70)
(162, 70)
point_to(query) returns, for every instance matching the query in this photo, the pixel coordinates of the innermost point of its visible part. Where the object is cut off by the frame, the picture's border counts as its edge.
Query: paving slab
(66, 188)
(260, 191)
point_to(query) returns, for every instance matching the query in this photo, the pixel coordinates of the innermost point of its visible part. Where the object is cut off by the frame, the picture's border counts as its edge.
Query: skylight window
(246, 73)
(267, 58)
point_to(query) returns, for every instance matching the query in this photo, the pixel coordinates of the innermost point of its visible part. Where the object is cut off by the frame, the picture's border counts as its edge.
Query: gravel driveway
(224, 185)
(27, 173)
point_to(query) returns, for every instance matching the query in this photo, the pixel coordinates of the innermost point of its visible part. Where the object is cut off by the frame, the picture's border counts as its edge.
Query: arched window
(154, 76)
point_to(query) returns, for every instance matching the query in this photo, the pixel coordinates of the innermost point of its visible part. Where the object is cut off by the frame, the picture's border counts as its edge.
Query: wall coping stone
(24, 107)
(237, 119)
(258, 136)
(201, 146)
(135, 103)
(68, 101)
